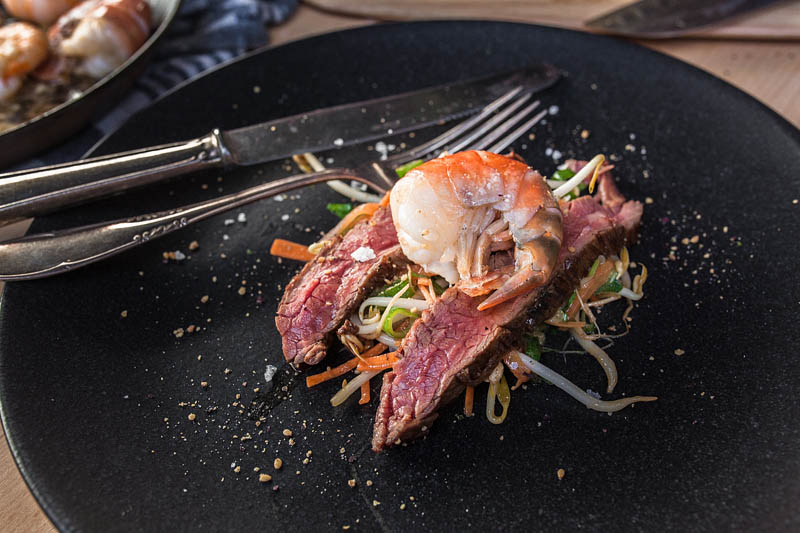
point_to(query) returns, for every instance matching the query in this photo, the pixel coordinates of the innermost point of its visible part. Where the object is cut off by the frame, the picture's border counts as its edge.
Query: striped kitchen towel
(204, 33)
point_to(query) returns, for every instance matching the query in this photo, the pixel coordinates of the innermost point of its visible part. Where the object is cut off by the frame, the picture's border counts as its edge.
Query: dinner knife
(670, 18)
(34, 192)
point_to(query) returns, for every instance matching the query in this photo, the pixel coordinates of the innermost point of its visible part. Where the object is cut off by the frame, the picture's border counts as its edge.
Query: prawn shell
(43, 12)
(23, 47)
(103, 33)
(444, 213)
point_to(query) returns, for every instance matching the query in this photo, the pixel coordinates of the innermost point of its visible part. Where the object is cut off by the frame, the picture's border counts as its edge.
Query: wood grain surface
(768, 70)
(778, 21)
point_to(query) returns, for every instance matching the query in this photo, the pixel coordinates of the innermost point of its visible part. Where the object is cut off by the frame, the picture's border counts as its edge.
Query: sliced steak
(329, 288)
(454, 345)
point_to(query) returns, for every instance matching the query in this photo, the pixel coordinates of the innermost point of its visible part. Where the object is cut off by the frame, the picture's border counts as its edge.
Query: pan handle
(37, 191)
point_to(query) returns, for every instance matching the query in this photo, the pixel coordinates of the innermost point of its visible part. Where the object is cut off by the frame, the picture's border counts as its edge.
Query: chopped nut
(369, 483)
(204, 384)
(264, 478)
(375, 503)
(242, 291)
(351, 482)
(402, 507)
(192, 416)
(287, 432)
(679, 352)
(277, 463)
(204, 299)
(194, 245)
(585, 134)
(560, 473)
(237, 469)
(124, 314)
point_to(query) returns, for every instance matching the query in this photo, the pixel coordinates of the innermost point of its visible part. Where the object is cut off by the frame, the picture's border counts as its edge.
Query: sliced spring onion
(402, 170)
(439, 285)
(612, 285)
(398, 286)
(601, 356)
(388, 324)
(532, 347)
(562, 174)
(578, 178)
(383, 301)
(573, 390)
(594, 267)
(352, 387)
(340, 210)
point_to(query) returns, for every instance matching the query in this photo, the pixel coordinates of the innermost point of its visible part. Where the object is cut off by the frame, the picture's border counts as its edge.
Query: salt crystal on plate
(363, 254)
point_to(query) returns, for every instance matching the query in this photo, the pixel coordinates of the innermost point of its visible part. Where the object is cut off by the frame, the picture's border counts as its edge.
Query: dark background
(96, 406)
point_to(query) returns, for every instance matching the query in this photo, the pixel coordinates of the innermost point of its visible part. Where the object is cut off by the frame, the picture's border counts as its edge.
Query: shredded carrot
(375, 350)
(290, 250)
(468, 400)
(350, 219)
(331, 373)
(425, 294)
(385, 200)
(380, 362)
(364, 393)
(588, 287)
(515, 365)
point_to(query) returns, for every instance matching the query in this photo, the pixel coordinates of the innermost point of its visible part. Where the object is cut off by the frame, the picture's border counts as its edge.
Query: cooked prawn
(452, 212)
(43, 12)
(23, 47)
(102, 34)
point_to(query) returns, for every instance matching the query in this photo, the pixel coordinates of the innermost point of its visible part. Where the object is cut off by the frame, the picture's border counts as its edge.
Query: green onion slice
(340, 210)
(388, 326)
(403, 169)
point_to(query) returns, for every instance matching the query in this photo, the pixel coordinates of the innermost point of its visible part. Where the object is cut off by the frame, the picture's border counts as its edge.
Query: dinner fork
(36, 256)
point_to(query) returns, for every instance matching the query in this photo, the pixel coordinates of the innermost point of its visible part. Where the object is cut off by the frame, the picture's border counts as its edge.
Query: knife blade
(33, 192)
(670, 18)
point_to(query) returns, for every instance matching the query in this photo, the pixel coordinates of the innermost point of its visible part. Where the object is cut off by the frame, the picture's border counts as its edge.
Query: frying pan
(60, 122)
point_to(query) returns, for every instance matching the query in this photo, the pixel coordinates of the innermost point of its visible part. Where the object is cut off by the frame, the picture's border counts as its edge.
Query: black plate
(57, 124)
(96, 406)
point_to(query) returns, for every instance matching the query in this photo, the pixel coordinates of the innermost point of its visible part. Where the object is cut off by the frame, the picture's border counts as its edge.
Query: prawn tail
(535, 263)
(523, 281)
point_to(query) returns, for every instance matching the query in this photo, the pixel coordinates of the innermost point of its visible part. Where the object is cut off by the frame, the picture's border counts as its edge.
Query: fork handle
(41, 190)
(47, 254)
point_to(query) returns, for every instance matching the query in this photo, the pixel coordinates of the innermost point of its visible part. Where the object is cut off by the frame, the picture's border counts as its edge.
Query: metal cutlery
(37, 256)
(33, 192)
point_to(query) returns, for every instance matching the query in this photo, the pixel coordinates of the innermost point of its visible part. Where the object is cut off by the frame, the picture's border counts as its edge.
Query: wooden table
(769, 70)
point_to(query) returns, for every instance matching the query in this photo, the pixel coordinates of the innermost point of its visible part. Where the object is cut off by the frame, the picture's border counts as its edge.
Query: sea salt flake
(242, 218)
(269, 373)
(363, 254)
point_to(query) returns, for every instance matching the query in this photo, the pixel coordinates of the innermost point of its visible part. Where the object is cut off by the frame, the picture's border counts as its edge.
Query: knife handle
(37, 191)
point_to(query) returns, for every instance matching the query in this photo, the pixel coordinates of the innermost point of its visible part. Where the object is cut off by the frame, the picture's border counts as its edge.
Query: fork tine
(491, 123)
(503, 143)
(456, 131)
(503, 128)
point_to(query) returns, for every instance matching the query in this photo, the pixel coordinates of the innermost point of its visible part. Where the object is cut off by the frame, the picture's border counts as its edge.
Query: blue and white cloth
(204, 33)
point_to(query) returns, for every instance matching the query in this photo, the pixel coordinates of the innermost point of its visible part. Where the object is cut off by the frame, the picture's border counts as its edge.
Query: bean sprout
(573, 390)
